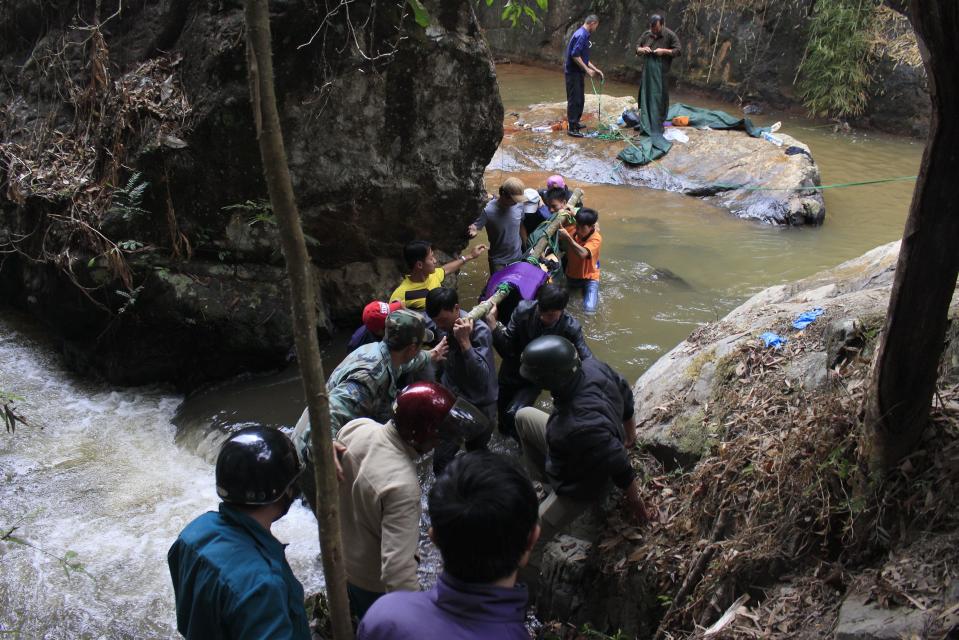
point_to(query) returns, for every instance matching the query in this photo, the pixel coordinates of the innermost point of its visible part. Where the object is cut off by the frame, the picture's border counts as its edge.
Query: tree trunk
(303, 298)
(905, 370)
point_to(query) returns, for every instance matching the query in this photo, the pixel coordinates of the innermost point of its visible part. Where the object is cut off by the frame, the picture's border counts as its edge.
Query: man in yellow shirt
(424, 273)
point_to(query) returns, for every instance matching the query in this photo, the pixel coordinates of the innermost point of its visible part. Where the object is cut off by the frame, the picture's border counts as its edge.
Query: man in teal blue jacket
(230, 575)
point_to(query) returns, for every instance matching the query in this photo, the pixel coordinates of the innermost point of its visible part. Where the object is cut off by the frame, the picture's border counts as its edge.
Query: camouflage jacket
(362, 386)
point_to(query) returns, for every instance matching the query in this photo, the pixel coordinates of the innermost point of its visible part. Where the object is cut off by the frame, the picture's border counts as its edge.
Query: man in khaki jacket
(380, 491)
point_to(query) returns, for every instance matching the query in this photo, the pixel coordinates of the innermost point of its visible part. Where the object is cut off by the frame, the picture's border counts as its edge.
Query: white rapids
(104, 479)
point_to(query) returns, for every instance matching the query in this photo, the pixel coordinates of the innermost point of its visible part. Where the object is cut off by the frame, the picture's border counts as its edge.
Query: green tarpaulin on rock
(645, 149)
(652, 109)
(714, 119)
(653, 146)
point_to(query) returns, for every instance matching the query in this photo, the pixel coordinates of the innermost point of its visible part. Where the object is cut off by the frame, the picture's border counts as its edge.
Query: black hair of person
(441, 299)
(482, 509)
(552, 298)
(415, 251)
(557, 193)
(655, 19)
(587, 216)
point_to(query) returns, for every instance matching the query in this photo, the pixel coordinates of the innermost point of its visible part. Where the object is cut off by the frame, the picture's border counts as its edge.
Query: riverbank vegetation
(834, 75)
(843, 39)
(784, 513)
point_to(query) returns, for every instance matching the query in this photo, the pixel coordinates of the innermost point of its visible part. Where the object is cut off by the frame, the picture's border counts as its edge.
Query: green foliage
(515, 10)
(262, 211)
(420, 14)
(130, 298)
(8, 411)
(835, 75)
(130, 245)
(69, 561)
(127, 200)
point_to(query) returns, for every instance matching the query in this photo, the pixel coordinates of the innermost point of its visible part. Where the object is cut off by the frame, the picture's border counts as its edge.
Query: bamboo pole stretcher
(479, 311)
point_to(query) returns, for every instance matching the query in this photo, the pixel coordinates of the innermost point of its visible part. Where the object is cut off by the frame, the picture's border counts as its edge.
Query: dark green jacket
(231, 581)
(667, 40)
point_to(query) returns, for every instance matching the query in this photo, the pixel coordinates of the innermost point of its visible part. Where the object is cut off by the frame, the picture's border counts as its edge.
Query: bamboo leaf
(420, 14)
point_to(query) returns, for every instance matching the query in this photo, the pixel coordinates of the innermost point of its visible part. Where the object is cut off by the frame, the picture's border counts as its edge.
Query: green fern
(128, 200)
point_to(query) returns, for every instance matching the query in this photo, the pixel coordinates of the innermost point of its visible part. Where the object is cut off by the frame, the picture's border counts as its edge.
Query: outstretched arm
(455, 265)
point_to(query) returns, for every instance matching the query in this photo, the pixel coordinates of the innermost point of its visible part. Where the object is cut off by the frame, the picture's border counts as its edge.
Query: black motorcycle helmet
(256, 466)
(549, 362)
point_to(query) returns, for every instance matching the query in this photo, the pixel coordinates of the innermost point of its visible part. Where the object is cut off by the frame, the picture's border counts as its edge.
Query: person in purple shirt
(483, 511)
(576, 67)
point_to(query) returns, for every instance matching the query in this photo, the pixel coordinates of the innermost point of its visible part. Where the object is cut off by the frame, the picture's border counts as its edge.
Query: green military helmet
(549, 362)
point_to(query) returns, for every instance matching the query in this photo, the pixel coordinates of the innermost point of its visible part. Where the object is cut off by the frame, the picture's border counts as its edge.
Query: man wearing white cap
(535, 212)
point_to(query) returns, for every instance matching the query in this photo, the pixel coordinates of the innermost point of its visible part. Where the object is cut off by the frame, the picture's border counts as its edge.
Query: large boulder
(751, 178)
(674, 395)
(177, 275)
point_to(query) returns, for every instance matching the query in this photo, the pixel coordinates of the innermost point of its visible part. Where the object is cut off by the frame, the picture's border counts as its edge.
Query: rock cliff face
(177, 274)
(742, 51)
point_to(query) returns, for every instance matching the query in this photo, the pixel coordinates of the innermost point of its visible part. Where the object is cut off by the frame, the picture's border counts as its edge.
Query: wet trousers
(590, 289)
(555, 512)
(575, 98)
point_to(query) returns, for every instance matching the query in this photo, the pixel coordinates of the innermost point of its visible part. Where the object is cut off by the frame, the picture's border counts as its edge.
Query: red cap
(374, 315)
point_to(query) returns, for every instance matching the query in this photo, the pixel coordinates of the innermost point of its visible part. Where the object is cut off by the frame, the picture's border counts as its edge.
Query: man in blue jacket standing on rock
(230, 576)
(576, 67)
(483, 513)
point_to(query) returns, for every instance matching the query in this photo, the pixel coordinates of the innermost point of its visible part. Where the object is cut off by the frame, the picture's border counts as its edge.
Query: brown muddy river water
(104, 477)
(719, 260)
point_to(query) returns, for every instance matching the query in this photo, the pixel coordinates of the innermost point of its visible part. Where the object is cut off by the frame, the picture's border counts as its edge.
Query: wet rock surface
(750, 177)
(376, 142)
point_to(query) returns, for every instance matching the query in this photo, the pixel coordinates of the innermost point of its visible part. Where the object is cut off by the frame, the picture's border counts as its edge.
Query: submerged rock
(751, 178)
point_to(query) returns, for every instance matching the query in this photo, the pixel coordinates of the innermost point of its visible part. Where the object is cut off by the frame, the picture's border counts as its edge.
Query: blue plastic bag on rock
(773, 340)
(806, 318)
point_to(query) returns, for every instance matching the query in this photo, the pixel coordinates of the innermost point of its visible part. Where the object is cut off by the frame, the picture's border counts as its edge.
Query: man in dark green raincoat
(658, 46)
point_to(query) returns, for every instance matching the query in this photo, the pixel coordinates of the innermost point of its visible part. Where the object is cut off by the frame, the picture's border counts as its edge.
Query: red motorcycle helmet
(426, 412)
